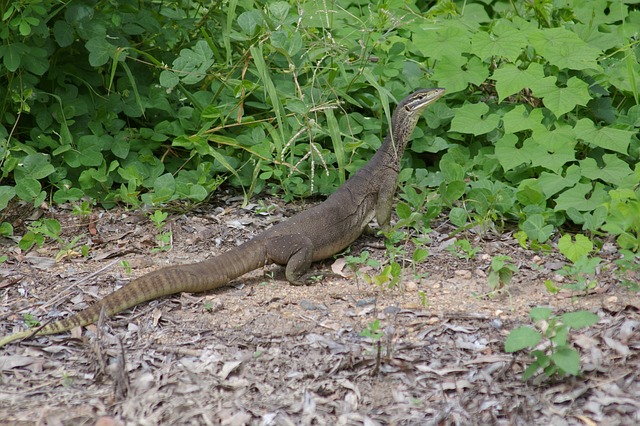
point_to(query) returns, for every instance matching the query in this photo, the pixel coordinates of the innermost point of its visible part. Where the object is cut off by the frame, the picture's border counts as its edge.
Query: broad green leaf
(567, 359)
(520, 119)
(536, 229)
(429, 144)
(593, 221)
(562, 100)
(583, 197)
(28, 189)
(279, 10)
(530, 193)
(565, 49)
(36, 166)
(250, 21)
(509, 155)
(504, 41)
(458, 216)
(615, 171)
(542, 157)
(446, 71)
(540, 313)
(451, 171)
(100, 51)
(520, 338)
(510, 79)
(473, 119)
(574, 250)
(552, 183)
(605, 137)
(440, 39)
(63, 33)
(580, 319)
(452, 191)
(6, 194)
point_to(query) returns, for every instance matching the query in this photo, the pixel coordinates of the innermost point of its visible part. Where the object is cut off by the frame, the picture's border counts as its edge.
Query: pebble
(463, 273)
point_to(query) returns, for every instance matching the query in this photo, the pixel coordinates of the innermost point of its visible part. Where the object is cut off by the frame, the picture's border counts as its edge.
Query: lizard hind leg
(293, 250)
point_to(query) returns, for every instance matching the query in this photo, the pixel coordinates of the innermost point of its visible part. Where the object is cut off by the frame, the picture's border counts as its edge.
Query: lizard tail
(191, 278)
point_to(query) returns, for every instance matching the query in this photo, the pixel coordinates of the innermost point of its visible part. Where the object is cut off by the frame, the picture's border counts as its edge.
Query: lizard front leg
(293, 250)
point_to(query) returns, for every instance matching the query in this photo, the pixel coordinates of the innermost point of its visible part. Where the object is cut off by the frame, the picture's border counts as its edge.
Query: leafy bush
(157, 101)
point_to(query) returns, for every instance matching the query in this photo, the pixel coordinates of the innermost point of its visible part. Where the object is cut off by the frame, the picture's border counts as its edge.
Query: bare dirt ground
(263, 352)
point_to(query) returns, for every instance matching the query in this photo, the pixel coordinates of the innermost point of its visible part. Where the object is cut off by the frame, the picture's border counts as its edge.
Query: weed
(163, 237)
(556, 356)
(463, 249)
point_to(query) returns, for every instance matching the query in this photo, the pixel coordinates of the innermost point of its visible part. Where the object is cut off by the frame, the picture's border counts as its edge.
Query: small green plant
(163, 237)
(582, 273)
(355, 263)
(38, 232)
(30, 320)
(628, 267)
(126, 266)
(264, 209)
(67, 249)
(463, 249)
(424, 300)
(500, 272)
(373, 331)
(556, 357)
(82, 209)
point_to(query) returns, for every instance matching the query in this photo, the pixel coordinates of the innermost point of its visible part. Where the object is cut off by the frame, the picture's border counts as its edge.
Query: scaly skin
(312, 235)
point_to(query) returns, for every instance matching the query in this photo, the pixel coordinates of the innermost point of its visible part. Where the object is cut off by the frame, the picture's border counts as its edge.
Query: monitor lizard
(311, 235)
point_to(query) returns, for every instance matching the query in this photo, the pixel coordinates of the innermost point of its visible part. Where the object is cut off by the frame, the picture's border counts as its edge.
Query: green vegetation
(556, 356)
(162, 101)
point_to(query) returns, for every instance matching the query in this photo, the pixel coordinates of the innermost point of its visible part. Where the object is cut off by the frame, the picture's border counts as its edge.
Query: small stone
(411, 286)
(463, 273)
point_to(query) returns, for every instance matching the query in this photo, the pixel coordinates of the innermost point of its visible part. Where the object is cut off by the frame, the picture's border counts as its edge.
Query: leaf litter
(264, 352)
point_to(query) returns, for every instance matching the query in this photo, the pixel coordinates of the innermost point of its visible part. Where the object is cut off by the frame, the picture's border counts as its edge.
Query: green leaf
(521, 119)
(436, 40)
(567, 359)
(100, 51)
(250, 21)
(606, 137)
(509, 155)
(580, 319)
(471, 118)
(29, 189)
(536, 229)
(458, 216)
(563, 100)
(63, 33)
(403, 210)
(539, 313)
(504, 41)
(565, 49)
(520, 338)
(552, 183)
(577, 198)
(37, 166)
(574, 250)
(510, 79)
(12, 55)
(530, 194)
(615, 170)
(420, 255)
(6, 194)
